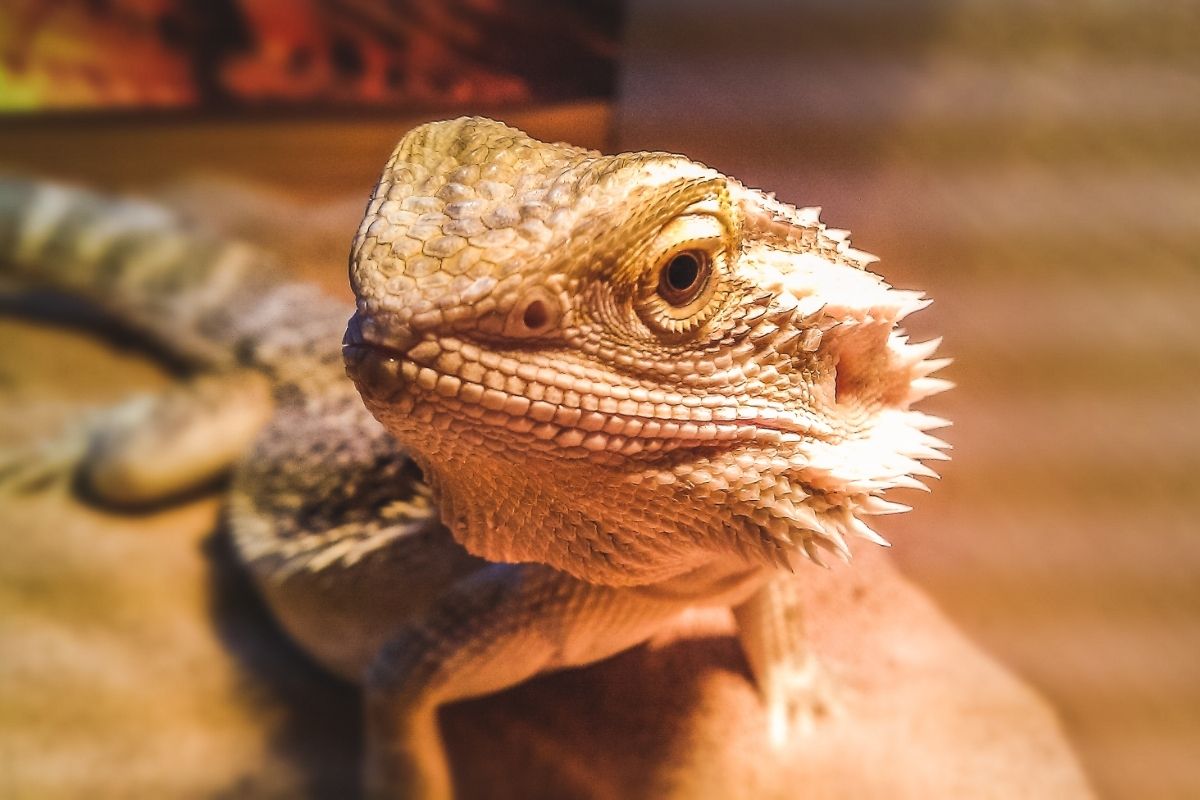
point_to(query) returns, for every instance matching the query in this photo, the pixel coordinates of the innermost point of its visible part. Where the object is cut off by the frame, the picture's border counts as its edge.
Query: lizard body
(608, 389)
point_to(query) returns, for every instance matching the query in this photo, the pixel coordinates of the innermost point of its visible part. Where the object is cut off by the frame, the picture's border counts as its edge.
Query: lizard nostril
(536, 314)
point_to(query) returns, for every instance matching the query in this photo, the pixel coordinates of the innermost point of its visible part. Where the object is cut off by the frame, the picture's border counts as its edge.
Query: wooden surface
(1035, 166)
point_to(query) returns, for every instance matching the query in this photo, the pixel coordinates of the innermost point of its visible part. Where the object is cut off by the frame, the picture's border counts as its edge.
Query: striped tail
(209, 301)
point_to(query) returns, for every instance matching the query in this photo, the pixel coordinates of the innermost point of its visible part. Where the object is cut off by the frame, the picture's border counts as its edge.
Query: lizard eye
(683, 282)
(683, 290)
(683, 277)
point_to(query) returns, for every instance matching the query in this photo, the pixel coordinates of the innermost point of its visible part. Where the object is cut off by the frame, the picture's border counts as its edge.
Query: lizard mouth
(497, 392)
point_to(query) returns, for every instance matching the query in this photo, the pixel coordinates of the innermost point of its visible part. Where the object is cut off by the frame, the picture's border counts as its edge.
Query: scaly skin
(511, 335)
(632, 384)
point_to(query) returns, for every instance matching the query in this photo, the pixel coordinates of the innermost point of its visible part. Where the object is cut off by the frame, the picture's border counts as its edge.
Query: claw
(797, 698)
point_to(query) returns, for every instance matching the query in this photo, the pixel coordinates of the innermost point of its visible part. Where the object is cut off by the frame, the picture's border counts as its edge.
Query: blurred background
(1033, 165)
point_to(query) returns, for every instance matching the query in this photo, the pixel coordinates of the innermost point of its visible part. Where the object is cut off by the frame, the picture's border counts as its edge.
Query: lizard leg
(493, 629)
(151, 447)
(793, 686)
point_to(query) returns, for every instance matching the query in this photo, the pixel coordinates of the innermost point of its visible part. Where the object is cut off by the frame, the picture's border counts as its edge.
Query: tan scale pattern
(510, 334)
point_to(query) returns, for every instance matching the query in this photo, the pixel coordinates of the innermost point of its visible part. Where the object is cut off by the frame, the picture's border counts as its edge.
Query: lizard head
(625, 366)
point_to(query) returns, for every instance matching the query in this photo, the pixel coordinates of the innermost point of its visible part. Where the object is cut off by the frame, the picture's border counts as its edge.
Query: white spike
(923, 470)
(927, 422)
(814, 555)
(860, 528)
(861, 257)
(908, 482)
(835, 538)
(926, 453)
(804, 517)
(779, 555)
(933, 442)
(932, 365)
(905, 302)
(927, 387)
(877, 506)
(919, 351)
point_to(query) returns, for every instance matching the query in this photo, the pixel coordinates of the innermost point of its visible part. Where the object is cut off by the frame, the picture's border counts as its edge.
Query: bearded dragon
(586, 393)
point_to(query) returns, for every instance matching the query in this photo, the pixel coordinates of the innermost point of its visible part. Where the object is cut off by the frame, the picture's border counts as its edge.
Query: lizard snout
(373, 354)
(364, 330)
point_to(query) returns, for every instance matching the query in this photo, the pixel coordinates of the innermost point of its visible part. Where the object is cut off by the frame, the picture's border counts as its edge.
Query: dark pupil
(682, 272)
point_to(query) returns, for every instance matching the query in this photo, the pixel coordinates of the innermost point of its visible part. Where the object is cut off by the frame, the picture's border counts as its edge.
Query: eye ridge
(683, 277)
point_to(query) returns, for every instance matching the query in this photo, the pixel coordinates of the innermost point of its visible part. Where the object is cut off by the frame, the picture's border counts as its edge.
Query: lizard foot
(797, 697)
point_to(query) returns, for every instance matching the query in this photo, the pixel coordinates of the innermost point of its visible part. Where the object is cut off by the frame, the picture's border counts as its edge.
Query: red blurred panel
(104, 54)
